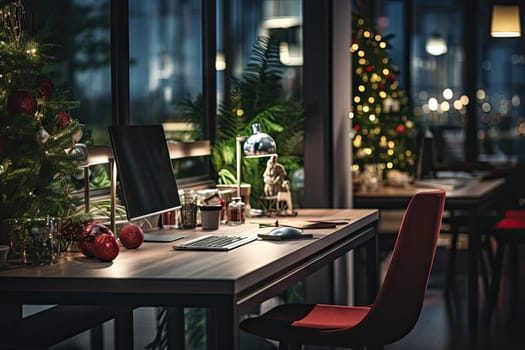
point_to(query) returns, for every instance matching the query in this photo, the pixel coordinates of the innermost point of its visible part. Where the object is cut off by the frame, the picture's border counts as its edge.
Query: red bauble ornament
(401, 129)
(88, 235)
(369, 69)
(46, 90)
(357, 127)
(106, 247)
(21, 101)
(131, 236)
(63, 119)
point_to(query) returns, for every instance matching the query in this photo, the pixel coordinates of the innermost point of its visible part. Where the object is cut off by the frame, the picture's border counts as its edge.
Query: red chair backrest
(400, 298)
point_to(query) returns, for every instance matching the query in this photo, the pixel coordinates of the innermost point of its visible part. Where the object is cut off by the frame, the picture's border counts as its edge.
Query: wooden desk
(473, 198)
(226, 282)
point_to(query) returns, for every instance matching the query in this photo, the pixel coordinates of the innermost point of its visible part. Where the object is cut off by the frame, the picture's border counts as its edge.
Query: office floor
(438, 328)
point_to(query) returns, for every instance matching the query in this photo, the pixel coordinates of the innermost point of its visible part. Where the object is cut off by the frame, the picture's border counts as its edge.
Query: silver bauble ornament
(42, 136)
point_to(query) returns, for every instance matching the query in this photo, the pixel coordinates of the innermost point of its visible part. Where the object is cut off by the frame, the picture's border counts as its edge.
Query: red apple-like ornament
(131, 236)
(106, 247)
(88, 235)
(21, 101)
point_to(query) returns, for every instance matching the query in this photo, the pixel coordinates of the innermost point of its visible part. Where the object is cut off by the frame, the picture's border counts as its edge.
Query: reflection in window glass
(261, 46)
(500, 94)
(165, 63)
(81, 31)
(280, 19)
(438, 66)
(437, 71)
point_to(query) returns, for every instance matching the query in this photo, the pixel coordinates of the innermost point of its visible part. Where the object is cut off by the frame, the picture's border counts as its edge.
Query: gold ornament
(13, 19)
(77, 136)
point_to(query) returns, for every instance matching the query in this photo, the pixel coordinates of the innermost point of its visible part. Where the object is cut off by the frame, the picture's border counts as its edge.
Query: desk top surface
(157, 267)
(473, 192)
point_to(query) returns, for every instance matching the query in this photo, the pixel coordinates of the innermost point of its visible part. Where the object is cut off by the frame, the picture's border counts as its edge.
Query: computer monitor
(426, 158)
(148, 185)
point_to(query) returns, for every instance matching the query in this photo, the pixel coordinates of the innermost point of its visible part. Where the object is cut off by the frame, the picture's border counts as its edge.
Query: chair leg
(451, 289)
(495, 282)
(483, 271)
(451, 268)
(514, 281)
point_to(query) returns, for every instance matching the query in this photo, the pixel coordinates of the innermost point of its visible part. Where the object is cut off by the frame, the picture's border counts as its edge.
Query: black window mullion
(120, 61)
(209, 76)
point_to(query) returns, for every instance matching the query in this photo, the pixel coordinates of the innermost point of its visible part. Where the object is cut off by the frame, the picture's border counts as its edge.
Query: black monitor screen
(426, 160)
(146, 177)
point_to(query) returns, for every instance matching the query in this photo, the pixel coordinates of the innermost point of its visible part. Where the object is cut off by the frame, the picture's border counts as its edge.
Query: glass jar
(33, 241)
(188, 201)
(235, 211)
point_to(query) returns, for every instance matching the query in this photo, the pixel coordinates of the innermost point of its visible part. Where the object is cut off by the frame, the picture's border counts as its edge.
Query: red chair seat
(320, 324)
(332, 317)
(510, 224)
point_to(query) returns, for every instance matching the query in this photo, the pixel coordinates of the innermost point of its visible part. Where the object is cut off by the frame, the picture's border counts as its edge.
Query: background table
(473, 198)
(226, 282)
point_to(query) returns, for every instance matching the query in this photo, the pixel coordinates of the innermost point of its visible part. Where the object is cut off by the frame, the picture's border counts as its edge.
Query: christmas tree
(384, 129)
(38, 150)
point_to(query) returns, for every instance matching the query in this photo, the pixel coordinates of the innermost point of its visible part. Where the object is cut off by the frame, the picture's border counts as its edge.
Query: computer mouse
(286, 232)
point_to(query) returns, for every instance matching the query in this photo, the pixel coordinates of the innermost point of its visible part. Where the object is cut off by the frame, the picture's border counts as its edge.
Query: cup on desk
(210, 216)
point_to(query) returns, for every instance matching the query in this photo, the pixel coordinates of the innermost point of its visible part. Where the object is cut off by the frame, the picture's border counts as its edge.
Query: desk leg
(223, 326)
(10, 313)
(366, 267)
(124, 329)
(473, 274)
(372, 268)
(175, 324)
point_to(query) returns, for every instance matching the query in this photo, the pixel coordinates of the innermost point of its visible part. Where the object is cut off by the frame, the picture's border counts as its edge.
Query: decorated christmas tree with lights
(384, 128)
(39, 153)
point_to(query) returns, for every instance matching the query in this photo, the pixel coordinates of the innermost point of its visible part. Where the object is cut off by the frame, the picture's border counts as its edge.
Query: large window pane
(437, 72)
(81, 31)
(261, 45)
(501, 93)
(165, 62)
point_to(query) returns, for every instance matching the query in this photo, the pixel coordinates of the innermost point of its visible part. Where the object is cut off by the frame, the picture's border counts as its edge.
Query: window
(165, 62)
(460, 78)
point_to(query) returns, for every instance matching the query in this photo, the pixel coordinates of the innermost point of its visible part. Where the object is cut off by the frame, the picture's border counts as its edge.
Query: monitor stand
(162, 235)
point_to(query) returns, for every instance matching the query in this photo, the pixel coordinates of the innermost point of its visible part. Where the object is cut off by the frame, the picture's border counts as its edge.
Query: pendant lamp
(505, 21)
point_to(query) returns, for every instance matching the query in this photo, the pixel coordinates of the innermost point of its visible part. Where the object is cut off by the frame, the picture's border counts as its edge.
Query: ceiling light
(505, 21)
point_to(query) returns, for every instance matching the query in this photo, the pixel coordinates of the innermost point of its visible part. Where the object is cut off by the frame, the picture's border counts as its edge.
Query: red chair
(508, 232)
(396, 307)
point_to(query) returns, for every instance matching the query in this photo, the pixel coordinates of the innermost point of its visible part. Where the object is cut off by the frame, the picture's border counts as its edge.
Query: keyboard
(215, 242)
(448, 184)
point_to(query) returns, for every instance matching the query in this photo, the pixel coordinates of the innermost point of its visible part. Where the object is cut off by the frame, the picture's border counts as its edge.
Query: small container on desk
(236, 211)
